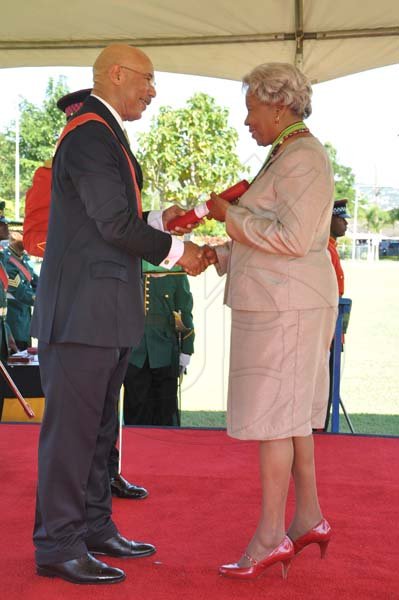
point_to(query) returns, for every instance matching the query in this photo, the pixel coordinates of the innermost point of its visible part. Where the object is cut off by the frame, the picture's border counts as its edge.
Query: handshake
(196, 259)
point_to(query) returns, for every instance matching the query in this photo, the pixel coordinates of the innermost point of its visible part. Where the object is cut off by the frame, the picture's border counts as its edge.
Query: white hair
(281, 83)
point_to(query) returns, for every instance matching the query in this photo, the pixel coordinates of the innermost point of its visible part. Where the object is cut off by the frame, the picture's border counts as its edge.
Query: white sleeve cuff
(154, 219)
(176, 251)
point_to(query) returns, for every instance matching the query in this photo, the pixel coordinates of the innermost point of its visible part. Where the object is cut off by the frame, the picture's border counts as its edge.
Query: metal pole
(336, 350)
(355, 225)
(346, 416)
(17, 185)
(120, 415)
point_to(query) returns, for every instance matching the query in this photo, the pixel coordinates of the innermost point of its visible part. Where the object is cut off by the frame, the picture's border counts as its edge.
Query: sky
(358, 114)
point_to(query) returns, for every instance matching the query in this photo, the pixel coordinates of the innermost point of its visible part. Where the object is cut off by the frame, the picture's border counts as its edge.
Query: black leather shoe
(123, 489)
(121, 547)
(85, 569)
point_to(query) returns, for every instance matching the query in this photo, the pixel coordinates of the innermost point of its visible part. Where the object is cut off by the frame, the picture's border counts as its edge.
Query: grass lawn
(370, 363)
(361, 423)
(370, 381)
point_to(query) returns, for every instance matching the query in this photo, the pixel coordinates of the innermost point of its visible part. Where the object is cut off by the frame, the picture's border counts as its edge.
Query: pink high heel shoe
(283, 553)
(319, 534)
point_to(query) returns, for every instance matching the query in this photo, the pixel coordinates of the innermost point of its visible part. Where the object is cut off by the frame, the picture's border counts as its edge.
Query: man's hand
(217, 208)
(13, 348)
(193, 260)
(171, 213)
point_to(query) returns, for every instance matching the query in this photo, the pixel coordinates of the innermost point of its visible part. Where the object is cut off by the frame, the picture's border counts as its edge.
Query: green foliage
(344, 245)
(373, 424)
(7, 171)
(187, 153)
(343, 176)
(374, 218)
(392, 216)
(39, 130)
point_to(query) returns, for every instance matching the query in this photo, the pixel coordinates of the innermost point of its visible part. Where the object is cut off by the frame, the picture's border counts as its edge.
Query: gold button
(166, 261)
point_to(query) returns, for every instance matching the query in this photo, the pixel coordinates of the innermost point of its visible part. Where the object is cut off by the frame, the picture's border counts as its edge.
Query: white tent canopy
(219, 38)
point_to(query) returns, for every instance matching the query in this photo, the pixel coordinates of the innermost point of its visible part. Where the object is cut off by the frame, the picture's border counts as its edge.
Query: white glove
(184, 361)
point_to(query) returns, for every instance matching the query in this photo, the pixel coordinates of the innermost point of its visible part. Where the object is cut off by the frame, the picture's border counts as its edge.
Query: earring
(277, 118)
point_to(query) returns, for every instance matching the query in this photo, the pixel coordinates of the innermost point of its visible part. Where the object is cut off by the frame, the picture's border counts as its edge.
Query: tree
(7, 172)
(375, 218)
(343, 176)
(188, 152)
(392, 217)
(39, 129)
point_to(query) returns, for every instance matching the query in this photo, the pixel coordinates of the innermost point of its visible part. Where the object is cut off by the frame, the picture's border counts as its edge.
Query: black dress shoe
(123, 489)
(85, 569)
(121, 547)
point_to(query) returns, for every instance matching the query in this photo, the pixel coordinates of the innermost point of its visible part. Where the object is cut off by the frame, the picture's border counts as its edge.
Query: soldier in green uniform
(164, 351)
(7, 344)
(22, 282)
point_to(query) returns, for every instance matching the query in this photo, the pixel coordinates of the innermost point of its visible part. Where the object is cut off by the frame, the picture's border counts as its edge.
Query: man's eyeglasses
(148, 76)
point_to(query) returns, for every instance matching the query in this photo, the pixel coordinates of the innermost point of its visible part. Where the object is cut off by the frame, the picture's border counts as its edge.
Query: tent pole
(299, 34)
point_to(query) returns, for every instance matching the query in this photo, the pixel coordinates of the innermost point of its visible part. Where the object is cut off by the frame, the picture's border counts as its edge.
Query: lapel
(94, 105)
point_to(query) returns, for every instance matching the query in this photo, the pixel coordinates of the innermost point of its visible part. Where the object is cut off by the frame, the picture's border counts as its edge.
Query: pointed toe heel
(319, 534)
(283, 553)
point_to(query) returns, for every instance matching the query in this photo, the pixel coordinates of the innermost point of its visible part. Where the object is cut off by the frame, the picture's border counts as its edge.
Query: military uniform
(339, 210)
(22, 282)
(153, 371)
(3, 325)
(336, 261)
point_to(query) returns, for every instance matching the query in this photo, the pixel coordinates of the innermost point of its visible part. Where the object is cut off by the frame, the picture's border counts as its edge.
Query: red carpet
(202, 510)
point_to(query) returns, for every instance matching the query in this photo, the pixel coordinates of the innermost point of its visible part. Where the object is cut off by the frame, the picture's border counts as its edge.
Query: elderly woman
(283, 294)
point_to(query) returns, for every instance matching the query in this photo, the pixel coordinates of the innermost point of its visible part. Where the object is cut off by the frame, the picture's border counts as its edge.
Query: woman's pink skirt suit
(283, 293)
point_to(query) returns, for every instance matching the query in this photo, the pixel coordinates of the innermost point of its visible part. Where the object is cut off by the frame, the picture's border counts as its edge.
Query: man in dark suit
(37, 208)
(83, 317)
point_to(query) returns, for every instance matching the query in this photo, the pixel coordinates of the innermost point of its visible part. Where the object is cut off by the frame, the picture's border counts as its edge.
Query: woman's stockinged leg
(307, 509)
(276, 458)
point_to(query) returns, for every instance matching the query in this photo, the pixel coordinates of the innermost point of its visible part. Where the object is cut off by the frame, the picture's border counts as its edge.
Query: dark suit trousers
(150, 396)
(73, 507)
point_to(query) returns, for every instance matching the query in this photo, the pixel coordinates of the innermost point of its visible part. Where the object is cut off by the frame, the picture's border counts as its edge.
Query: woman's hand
(171, 213)
(210, 254)
(217, 208)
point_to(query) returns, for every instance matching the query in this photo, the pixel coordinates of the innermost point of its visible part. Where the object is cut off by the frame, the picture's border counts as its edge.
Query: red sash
(21, 267)
(3, 277)
(37, 208)
(81, 120)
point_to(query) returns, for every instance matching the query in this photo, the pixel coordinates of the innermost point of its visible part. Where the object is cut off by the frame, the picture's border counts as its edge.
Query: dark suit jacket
(90, 288)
